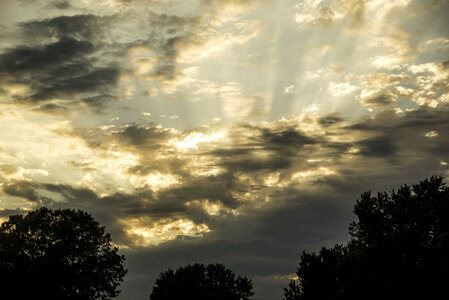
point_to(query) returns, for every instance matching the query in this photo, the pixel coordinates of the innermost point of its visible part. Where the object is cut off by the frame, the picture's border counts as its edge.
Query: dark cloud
(378, 100)
(26, 190)
(330, 120)
(61, 61)
(71, 194)
(319, 180)
(406, 136)
(53, 108)
(251, 163)
(261, 243)
(99, 102)
(267, 149)
(287, 137)
(445, 64)
(382, 146)
(399, 139)
(220, 188)
(424, 118)
(148, 137)
(96, 80)
(80, 27)
(124, 205)
(22, 60)
(23, 189)
(61, 4)
(5, 213)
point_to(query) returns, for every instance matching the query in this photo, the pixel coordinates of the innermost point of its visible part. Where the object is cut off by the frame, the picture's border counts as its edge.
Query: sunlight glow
(164, 230)
(157, 181)
(431, 134)
(219, 38)
(200, 170)
(212, 209)
(15, 90)
(386, 62)
(193, 140)
(272, 179)
(312, 174)
(338, 89)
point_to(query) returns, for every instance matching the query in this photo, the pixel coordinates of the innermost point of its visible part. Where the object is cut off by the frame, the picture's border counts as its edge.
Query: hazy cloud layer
(275, 181)
(238, 132)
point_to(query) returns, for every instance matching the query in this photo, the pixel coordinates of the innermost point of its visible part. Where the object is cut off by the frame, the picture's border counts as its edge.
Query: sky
(219, 131)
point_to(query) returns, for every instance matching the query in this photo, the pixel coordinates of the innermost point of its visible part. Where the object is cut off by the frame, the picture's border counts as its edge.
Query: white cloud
(289, 89)
(339, 89)
(386, 62)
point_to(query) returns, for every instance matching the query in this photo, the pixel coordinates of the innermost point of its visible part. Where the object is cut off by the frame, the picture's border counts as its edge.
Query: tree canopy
(201, 282)
(58, 254)
(399, 248)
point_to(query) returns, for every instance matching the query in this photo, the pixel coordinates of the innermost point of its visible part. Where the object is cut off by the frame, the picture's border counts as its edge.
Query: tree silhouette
(399, 248)
(58, 254)
(201, 282)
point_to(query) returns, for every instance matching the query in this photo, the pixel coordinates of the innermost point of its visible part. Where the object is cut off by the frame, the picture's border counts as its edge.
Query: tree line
(399, 247)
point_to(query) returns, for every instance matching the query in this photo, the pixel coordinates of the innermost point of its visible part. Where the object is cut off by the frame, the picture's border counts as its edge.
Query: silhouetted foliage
(318, 275)
(58, 254)
(292, 292)
(201, 282)
(399, 248)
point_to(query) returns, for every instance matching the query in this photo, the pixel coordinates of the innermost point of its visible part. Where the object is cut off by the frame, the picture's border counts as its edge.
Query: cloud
(166, 55)
(27, 190)
(155, 52)
(402, 138)
(166, 37)
(341, 89)
(22, 189)
(382, 146)
(52, 108)
(264, 190)
(8, 212)
(61, 4)
(330, 120)
(209, 173)
(60, 64)
(259, 244)
(322, 13)
(9, 169)
(25, 59)
(277, 175)
(151, 137)
(378, 100)
(79, 27)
